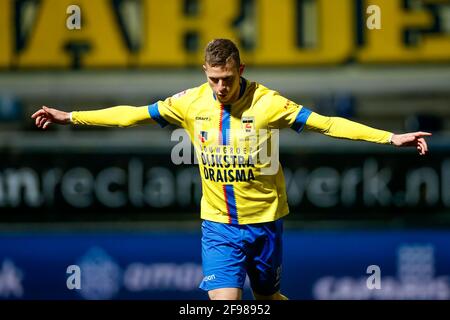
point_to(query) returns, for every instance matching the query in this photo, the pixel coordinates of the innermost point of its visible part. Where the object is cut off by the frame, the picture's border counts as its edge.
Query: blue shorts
(230, 252)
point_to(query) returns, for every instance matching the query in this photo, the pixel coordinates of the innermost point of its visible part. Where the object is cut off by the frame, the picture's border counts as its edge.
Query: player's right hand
(45, 116)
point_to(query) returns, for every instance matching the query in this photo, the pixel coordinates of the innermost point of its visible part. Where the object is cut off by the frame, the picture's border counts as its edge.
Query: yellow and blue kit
(229, 140)
(242, 204)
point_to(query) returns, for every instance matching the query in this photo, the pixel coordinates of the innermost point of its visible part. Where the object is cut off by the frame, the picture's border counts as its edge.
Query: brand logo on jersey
(203, 136)
(248, 124)
(202, 118)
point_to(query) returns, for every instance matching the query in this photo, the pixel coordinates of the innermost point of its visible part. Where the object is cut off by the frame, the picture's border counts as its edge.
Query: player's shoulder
(191, 93)
(261, 92)
(186, 93)
(203, 89)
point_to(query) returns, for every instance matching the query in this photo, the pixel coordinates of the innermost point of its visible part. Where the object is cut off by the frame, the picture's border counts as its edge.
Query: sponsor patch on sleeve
(179, 94)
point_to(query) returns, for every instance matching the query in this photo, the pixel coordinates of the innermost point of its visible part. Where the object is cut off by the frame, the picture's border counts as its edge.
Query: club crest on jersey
(248, 124)
(203, 136)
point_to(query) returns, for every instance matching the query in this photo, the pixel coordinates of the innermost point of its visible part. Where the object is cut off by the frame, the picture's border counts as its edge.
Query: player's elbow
(125, 125)
(327, 125)
(125, 122)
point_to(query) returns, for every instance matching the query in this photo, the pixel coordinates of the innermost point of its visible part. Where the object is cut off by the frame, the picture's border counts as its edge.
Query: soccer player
(242, 205)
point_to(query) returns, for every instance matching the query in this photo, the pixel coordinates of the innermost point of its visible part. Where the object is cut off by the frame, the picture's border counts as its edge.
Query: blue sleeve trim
(301, 119)
(155, 115)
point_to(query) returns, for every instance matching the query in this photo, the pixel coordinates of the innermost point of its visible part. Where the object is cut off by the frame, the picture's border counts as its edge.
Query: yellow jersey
(236, 145)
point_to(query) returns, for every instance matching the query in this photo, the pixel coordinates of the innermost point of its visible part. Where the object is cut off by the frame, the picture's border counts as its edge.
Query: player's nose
(221, 84)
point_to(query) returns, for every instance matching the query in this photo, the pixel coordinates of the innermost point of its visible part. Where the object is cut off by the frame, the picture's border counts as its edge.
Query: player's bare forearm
(412, 139)
(45, 116)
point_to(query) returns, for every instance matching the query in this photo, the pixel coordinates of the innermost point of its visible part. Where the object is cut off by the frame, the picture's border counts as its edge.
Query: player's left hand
(412, 139)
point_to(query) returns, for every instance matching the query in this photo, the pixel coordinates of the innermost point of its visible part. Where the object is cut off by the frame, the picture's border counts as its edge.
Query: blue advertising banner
(167, 265)
(386, 265)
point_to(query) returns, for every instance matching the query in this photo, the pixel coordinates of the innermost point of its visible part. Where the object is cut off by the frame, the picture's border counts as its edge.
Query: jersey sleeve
(284, 113)
(172, 110)
(346, 129)
(119, 116)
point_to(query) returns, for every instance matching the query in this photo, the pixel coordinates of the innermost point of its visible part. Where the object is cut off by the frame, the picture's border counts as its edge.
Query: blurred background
(111, 202)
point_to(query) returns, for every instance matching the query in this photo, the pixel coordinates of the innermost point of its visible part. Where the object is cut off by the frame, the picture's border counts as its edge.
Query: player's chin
(223, 98)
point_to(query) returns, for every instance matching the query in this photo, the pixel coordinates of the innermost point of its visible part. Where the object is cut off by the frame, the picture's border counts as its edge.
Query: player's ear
(241, 69)
(204, 67)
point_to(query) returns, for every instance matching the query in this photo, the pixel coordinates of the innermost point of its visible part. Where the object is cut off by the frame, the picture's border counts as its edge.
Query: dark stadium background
(112, 202)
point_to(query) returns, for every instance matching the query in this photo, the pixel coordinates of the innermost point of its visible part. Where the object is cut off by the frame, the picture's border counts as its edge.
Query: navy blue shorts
(230, 252)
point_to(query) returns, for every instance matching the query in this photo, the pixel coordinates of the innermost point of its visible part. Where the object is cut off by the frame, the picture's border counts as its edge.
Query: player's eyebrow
(223, 78)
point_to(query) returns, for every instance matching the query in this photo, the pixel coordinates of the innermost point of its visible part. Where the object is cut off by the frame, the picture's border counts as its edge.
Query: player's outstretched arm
(119, 116)
(45, 116)
(346, 129)
(412, 139)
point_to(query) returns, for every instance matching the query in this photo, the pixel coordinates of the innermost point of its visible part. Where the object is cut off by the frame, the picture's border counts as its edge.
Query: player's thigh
(223, 259)
(225, 294)
(265, 263)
